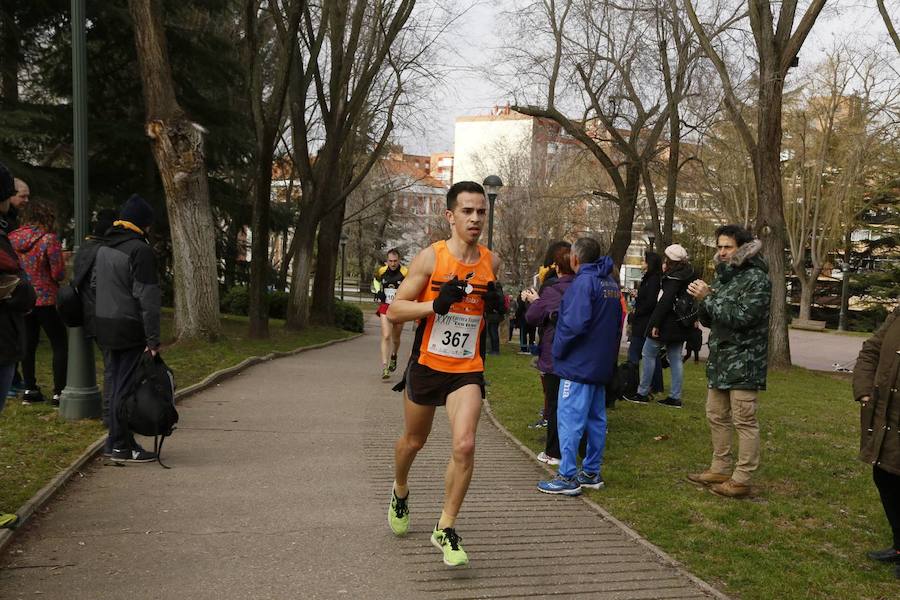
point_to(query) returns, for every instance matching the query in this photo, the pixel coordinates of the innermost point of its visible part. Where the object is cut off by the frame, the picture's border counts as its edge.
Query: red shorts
(382, 309)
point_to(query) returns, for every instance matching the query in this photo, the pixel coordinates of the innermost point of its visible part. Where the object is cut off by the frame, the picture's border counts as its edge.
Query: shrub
(278, 303)
(236, 301)
(348, 316)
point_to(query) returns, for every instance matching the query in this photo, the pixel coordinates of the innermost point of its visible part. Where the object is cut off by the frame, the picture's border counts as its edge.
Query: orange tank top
(453, 343)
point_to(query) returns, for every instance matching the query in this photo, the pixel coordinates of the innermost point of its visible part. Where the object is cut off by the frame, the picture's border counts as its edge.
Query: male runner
(385, 284)
(449, 286)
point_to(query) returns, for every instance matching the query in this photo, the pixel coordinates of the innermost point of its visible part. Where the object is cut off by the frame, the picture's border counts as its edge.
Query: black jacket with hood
(674, 279)
(644, 303)
(126, 288)
(13, 309)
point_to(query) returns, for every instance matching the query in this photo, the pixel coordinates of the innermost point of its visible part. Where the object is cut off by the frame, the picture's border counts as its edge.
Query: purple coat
(540, 313)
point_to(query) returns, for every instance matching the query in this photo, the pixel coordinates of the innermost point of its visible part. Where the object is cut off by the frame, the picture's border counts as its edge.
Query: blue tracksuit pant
(581, 406)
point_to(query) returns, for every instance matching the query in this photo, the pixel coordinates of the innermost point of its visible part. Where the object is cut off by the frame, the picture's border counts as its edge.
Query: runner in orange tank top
(448, 286)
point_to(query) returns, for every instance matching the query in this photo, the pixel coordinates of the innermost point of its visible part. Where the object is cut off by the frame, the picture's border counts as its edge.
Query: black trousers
(120, 366)
(46, 318)
(493, 338)
(888, 486)
(551, 401)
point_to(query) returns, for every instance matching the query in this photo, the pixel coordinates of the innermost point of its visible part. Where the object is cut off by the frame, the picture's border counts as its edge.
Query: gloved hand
(380, 297)
(493, 299)
(452, 291)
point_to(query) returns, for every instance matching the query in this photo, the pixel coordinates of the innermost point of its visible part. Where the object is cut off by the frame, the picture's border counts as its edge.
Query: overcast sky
(468, 92)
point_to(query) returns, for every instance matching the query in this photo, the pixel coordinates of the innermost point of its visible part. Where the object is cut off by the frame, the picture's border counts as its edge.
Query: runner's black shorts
(428, 387)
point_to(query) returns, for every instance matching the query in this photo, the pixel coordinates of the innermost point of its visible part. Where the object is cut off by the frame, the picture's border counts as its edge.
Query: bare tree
(777, 45)
(343, 101)
(178, 149)
(606, 60)
(886, 17)
(270, 36)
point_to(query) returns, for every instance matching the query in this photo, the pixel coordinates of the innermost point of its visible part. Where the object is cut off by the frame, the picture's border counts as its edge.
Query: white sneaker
(545, 458)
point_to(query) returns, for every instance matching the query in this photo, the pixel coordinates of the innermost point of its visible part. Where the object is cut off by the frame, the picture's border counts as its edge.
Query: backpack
(148, 407)
(685, 308)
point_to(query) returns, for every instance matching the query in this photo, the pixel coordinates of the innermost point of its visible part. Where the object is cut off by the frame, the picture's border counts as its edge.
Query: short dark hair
(740, 235)
(105, 218)
(393, 251)
(587, 250)
(462, 186)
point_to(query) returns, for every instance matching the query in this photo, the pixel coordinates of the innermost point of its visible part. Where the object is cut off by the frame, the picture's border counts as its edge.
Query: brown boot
(731, 489)
(708, 478)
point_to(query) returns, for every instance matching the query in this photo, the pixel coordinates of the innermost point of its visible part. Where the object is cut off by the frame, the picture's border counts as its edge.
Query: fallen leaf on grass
(661, 438)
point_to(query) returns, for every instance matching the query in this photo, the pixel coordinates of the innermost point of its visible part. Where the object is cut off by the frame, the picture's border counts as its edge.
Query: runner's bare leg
(417, 420)
(463, 410)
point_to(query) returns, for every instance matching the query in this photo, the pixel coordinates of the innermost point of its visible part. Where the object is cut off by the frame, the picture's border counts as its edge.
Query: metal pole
(491, 198)
(343, 267)
(845, 292)
(81, 397)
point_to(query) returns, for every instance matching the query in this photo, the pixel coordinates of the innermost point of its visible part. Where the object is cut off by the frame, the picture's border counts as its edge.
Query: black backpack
(624, 382)
(69, 303)
(148, 407)
(685, 308)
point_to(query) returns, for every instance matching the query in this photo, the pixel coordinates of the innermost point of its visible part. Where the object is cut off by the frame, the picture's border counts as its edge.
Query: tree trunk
(259, 248)
(672, 174)
(807, 291)
(298, 307)
(625, 221)
(770, 225)
(177, 145)
(327, 256)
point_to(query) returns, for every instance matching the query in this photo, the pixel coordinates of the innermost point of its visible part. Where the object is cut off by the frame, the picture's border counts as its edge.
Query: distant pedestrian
(876, 386)
(665, 331)
(17, 297)
(127, 314)
(83, 275)
(526, 331)
(644, 302)
(41, 254)
(736, 309)
(585, 347)
(694, 343)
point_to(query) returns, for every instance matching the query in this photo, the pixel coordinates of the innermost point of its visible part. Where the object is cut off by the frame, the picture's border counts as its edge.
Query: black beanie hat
(7, 183)
(136, 210)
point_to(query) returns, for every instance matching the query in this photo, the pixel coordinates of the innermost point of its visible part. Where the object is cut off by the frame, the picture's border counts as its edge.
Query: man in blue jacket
(585, 349)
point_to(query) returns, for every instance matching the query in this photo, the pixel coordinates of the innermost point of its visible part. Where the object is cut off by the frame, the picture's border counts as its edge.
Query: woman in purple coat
(542, 312)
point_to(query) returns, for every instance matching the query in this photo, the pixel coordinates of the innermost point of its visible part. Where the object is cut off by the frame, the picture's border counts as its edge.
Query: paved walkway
(279, 489)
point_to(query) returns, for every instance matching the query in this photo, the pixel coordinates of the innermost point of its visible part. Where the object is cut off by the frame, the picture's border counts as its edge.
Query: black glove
(380, 296)
(452, 291)
(493, 299)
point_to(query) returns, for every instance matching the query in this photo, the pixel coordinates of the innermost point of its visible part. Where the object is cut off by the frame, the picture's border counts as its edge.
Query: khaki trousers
(727, 411)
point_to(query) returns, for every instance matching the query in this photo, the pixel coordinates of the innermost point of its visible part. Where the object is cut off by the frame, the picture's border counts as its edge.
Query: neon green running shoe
(385, 373)
(398, 514)
(448, 542)
(392, 366)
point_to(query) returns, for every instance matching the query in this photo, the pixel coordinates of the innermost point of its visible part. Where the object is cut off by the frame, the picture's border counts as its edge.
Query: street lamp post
(845, 291)
(81, 397)
(650, 234)
(343, 261)
(492, 185)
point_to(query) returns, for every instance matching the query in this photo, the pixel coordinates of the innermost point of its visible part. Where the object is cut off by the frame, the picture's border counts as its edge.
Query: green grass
(815, 510)
(35, 444)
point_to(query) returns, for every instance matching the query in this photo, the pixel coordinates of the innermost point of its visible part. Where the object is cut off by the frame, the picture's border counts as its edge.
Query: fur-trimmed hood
(745, 254)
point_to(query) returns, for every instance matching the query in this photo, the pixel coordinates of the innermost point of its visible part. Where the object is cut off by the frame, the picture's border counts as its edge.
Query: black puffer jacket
(675, 279)
(12, 312)
(126, 284)
(648, 293)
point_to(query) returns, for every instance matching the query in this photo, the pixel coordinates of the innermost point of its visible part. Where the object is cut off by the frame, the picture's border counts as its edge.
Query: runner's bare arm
(405, 306)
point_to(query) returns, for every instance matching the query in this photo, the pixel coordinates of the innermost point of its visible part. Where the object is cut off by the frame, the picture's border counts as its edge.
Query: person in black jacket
(664, 330)
(644, 303)
(83, 279)
(126, 313)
